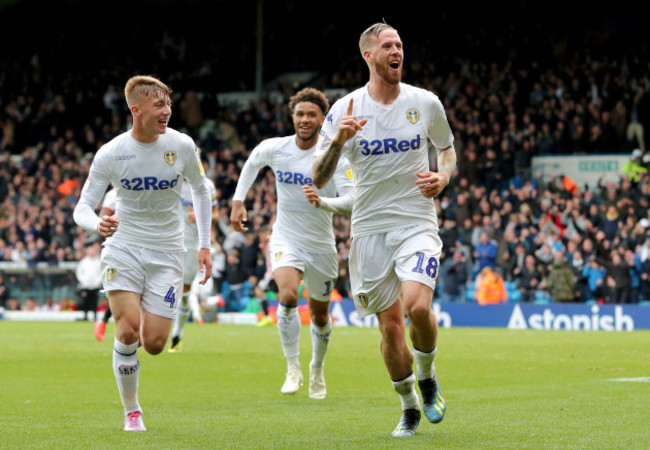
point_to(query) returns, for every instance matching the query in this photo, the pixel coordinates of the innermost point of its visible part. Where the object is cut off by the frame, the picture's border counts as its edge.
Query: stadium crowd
(505, 106)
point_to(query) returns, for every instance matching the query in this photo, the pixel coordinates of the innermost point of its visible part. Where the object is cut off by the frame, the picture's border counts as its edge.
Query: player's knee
(289, 296)
(127, 335)
(154, 346)
(319, 318)
(419, 312)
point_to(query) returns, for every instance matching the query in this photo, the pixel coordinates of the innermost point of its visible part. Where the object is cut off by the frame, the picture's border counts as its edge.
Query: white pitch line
(633, 380)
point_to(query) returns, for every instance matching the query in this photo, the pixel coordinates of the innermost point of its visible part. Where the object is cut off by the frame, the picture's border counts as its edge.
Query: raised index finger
(350, 107)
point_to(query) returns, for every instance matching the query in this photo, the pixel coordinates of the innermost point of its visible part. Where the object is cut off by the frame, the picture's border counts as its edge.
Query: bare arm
(447, 161)
(325, 164)
(238, 216)
(432, 183)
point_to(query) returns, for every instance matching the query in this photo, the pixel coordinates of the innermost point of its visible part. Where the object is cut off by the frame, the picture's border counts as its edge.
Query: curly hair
(310, 95)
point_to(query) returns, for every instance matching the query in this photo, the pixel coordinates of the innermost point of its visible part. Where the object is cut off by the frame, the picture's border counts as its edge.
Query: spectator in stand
(5, 291)
(637, 101)
(13, 304)
(529, 279)
(89, 276)
(517, 263)
(485, 253)
(50, 305)
(30, 305)
(594, 273)
(576, 263)
(544, 254)
(236, 278)
(644, 275)
(218, 265)
(633, 261)
(455, 275)
(611, 223)
(253, 261)
(561, 282)
(617, 279)
(506, 250)
(490, 287)
(634, 168)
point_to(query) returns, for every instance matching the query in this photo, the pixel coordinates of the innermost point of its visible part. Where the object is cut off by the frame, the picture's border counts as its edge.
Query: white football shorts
(319, 270)
(156, 275)
(191, 266)
(380, 262)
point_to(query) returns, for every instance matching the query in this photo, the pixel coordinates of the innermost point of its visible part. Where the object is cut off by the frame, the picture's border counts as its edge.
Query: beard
(388, 76)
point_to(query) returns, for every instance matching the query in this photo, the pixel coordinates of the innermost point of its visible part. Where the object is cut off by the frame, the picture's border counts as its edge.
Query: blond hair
(371, 33)
(140, 86)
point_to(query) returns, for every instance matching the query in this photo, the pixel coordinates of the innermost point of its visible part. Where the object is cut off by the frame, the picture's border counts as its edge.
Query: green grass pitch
(504, 389)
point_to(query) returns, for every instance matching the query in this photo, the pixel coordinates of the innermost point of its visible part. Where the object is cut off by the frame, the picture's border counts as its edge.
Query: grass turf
(504, 389)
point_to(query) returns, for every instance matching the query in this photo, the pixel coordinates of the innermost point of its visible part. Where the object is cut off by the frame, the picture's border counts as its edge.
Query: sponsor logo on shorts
(110, 273)
(170, 157)
(413, 115)
(363, 300)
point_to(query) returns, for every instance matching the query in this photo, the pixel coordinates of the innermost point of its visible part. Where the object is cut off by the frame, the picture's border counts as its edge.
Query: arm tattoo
(447, 161)
(325, 165)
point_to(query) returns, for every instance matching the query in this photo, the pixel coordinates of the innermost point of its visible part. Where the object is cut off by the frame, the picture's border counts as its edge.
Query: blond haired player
(142, 263)
(302, 244)
(386, 129)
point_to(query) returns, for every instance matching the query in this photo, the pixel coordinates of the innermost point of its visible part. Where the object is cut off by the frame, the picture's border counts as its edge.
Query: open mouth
(394, 65)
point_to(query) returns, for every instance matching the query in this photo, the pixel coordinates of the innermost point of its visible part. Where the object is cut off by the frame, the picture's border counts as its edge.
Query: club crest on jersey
(363, 300)
(413, 115)
(278, 255)
(170, 157)
(110, 273)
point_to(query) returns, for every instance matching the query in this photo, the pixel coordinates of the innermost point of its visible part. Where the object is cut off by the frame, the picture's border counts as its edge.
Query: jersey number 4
(170, 297)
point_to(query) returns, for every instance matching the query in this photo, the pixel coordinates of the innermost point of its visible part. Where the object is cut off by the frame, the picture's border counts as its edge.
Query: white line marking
(633, 380)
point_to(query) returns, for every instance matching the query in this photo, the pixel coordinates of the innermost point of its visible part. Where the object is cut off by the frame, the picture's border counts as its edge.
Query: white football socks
(181, 316)
(425, 363)
(320, 340)
(195, 306)
(289, 328)
(407, 394)
(126, 368)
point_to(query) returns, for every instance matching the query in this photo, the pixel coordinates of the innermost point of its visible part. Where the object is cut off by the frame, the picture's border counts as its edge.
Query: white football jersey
(297, 220)
(148, 178)
(110, 201)
(386, 155)
(191, 229)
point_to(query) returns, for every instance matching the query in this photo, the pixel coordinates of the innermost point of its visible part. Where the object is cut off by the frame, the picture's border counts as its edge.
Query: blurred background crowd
(512, 91)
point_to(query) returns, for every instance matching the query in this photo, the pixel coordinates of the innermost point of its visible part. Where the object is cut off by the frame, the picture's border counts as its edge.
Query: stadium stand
(510, 95)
